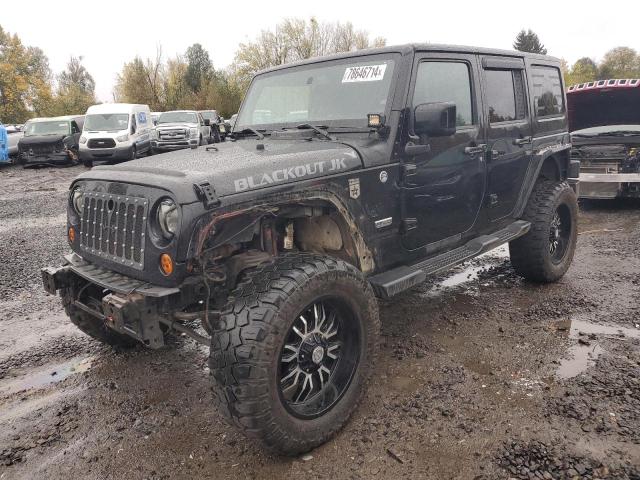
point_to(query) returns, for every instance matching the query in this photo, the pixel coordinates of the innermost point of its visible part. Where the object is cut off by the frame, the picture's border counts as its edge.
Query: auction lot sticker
(368, 73)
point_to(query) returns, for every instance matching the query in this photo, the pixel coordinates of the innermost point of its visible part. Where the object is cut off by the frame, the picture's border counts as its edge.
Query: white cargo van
(115, 131)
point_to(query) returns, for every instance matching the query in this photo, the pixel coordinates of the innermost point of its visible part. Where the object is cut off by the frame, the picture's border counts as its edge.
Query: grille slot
(101, 143)
(113, 227)
(173, 134)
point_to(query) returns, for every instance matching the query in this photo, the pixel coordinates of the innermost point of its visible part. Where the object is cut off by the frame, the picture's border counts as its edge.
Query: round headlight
(77, 200)
(168, 218)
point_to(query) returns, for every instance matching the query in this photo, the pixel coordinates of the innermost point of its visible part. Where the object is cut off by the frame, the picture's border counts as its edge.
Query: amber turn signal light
(166, 264)
(72, 234)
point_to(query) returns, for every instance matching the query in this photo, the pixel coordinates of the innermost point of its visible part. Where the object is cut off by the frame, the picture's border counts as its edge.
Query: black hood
(603, 106)
(32, 140)
(234, 167)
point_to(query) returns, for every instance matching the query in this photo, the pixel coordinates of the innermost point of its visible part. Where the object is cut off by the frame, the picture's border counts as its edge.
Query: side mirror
(206, 122)
(436, 119)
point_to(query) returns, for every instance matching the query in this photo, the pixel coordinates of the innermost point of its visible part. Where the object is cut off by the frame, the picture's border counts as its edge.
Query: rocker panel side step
(399, 279)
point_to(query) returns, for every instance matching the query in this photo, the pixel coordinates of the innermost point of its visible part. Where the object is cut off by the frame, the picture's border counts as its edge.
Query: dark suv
(349, 177)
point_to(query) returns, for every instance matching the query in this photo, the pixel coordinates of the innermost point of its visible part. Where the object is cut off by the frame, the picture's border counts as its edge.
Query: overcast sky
(107, 34)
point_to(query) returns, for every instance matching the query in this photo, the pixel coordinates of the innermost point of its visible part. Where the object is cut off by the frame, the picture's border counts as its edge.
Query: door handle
(480, 148)
(522, 141)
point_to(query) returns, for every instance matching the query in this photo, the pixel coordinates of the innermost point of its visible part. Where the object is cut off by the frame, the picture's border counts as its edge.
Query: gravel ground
(481, 374)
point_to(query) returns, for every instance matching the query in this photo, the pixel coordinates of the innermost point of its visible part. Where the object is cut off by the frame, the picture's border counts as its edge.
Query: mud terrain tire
(249, 343)
(553, 212)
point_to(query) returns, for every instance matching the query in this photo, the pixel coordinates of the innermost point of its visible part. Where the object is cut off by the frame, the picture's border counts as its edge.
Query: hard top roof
(417, 47)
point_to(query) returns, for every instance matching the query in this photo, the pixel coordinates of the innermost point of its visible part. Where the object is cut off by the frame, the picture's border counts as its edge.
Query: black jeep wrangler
(349, 177)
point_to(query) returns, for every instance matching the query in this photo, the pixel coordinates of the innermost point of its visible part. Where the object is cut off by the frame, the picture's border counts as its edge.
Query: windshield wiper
(318, 129)
(247, 130)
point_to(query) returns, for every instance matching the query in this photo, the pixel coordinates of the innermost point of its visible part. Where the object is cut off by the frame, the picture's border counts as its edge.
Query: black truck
(51, 141)
(348, 178)
(604, 121)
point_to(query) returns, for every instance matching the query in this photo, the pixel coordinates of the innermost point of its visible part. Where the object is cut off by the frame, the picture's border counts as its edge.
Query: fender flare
(538, 159)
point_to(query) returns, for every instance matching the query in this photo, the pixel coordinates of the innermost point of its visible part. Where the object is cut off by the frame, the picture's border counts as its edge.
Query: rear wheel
(88, 163)
(294, 349)
(545, 253)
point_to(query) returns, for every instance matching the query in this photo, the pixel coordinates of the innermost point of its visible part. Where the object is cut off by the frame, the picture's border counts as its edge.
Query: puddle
(472, 272)
(586, 351)
(39, 379)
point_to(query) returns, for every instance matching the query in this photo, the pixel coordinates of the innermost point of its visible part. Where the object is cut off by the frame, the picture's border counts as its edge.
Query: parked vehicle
(218, 130)
(50, 141)
(180, 129)
(115, 131)
(14, 133)
(604, 119)
(399, 163)
(4, 145)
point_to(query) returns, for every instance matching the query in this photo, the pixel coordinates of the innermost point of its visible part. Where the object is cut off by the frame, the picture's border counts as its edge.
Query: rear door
(509, 131)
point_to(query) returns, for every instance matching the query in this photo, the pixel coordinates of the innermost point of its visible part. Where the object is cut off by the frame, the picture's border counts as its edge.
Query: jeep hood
(233, 167)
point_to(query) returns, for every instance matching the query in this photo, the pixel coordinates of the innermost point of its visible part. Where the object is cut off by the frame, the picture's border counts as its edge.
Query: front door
(443, 194)
(509, 133)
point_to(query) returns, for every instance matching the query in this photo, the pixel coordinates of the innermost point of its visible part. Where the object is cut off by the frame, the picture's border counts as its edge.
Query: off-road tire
(93, 327)
(246, 344)
(530, 255)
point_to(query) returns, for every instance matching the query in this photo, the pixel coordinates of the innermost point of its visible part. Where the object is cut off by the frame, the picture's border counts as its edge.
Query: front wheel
(293, 350)
(545, 253)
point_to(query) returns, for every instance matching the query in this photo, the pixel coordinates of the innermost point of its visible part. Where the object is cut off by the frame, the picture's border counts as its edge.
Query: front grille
(113, 227)
(101, 143)
(173, 134)
(41, 149)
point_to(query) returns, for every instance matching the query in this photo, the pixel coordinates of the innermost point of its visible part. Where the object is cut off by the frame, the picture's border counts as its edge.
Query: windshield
(106, 122)
(335, 93)
(178, 117)
(47, 128)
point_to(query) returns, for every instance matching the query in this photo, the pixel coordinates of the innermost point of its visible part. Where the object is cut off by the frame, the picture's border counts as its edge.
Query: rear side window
(445, 82)
(547, 91)
(506, 98)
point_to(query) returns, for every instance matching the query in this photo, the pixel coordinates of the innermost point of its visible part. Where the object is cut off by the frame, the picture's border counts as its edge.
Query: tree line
(28, 87)
(619, 62)
(187, 81)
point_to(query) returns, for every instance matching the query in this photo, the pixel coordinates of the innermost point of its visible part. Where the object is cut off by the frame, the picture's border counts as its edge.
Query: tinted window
(547, 91)
(501, 95)
(445, 82)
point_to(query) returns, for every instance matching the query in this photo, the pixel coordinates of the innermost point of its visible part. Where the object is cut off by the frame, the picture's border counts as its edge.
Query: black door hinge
(409, 224)
(206, 194)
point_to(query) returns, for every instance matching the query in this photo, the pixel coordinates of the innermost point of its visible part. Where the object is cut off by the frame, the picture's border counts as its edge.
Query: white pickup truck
(180, 129)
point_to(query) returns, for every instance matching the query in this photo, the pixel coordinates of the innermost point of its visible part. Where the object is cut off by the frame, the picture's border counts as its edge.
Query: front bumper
(609, 185)
(106, 154)
(128, 306)
(173, 145)
(60, 158)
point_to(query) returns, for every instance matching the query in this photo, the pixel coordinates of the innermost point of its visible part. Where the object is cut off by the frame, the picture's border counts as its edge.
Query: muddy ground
(481, 374)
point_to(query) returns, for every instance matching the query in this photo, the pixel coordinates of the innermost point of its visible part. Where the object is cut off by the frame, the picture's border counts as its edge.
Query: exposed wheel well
(240, 240)
(555, 167)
